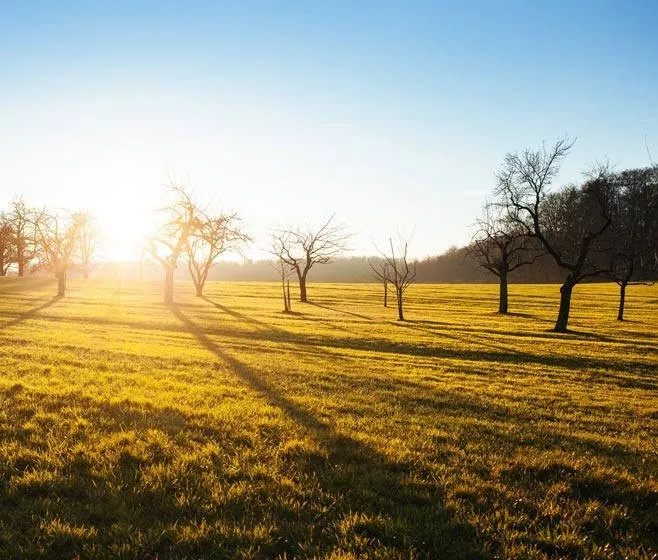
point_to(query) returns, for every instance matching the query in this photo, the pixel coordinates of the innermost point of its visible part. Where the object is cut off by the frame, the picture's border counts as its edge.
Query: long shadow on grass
(96, 479)
(642, 369)
(336, 310)
(29, 314)
(363, 481)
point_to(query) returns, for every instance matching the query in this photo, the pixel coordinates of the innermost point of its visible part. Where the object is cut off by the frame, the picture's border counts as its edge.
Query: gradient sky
(393, 115)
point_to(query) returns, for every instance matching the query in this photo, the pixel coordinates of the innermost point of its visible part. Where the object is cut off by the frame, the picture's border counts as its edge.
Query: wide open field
(222, 428)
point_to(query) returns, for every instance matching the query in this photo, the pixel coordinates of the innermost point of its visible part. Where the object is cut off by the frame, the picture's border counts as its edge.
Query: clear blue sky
(394, 115)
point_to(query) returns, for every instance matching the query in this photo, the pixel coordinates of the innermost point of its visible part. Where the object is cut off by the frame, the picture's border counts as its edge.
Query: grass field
(222, 428)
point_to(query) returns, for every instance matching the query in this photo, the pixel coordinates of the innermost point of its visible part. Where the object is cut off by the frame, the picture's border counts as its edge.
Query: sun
(123, 232)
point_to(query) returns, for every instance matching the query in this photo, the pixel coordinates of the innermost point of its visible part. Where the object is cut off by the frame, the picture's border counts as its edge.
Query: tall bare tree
(402, 271)
(382, 271)
(301, 249)
(214, 236)
(56, 236)
(501, 246)
(166, 246)
(567, 223)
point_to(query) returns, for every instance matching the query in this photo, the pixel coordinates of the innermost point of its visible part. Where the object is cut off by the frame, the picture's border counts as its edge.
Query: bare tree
(88, 241)
(214, 236)
(403, 273)
(382, 271)
(23, 223)
(172, 237)
(284, 272)
(631, 239)
(302, 249)
(501, 246)
(567, 223)
(7, 244)
(56, 236)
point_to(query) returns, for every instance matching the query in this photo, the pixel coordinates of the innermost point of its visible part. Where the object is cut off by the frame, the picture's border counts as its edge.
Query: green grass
(223, 428)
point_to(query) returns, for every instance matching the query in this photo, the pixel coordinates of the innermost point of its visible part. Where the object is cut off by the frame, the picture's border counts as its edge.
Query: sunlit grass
(222, 428)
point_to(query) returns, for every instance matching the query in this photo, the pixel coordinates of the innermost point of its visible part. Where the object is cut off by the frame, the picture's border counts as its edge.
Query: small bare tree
(7, 244)
(56, 236)
(214, 236)
(382, 271)
(631, 243)
(167, 245)
(284, 272)
(88, 241)
(302, 249)
(402, 272)
(501, 246)
(23, 219)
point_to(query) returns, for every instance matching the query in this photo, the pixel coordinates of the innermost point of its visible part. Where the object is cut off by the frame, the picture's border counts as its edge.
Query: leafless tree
(88, 241)
(567, 223)
(284, 271)
(23, 220)
(56, 236)
(382, 271)
(402, 272)
(166, 246)
(631, 240)
(214, 236)
(501, 246)
(301, 249)
(7, 244)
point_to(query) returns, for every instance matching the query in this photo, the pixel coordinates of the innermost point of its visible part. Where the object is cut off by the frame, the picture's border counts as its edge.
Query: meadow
(219, 427)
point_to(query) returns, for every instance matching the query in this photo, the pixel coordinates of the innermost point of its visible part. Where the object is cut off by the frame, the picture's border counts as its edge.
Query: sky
(394, 116)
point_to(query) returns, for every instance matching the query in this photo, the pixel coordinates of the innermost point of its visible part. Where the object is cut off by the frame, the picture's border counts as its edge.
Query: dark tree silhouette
(567, 223)
(166, 246)
(631, 244)
(214, 236)
(302, 249)
(501, 245)
(403, 273)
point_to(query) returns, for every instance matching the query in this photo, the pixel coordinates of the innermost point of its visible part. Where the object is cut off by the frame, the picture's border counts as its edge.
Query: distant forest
(453, 266)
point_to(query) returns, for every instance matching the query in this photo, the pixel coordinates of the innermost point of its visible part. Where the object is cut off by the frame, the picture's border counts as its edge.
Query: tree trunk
(288, 295)
(21, 266)
(502, 298)
(85, 272)
(199, 289)
(61, 282)
(565, 307)
(400, 312)
(385, 293)
(302, 288)
(622, 301)
(169, 286)
(285, 297)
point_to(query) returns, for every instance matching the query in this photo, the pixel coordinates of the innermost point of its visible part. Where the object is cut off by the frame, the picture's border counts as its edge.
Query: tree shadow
(366, 482)
(336, 310)
(30, 314)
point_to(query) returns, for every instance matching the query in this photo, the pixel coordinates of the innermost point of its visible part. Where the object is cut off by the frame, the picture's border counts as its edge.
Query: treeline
(604, 229)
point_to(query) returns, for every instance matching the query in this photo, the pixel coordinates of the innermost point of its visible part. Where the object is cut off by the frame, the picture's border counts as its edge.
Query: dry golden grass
(222, 428)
